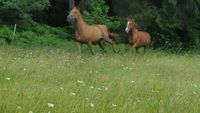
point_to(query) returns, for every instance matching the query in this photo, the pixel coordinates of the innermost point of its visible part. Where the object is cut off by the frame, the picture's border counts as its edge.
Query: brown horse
(89, 34)
(137, 38)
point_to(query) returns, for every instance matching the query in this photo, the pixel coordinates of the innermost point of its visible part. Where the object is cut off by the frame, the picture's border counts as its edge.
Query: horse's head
(130, 24)
(74, 14)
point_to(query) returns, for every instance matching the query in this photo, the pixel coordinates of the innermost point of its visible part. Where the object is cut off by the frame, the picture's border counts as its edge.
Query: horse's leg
(112, 43)
(135, 45)
(90, 47)
(145, 49)
(128, 46)
(79, 47)
(137, 48)
(101, 46)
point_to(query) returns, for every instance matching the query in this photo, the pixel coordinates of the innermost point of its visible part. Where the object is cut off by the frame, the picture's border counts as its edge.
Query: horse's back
(90, 33)
(103, 29)
(143, 38)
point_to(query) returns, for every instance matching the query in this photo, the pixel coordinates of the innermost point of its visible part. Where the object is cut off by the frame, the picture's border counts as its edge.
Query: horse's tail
(151, 41)
(117, 38)
(112, 35)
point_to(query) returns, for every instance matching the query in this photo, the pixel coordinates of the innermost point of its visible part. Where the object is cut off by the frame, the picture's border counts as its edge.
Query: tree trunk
(71, 4)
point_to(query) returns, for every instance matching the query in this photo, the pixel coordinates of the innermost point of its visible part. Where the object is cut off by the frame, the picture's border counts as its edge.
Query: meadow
(51, 80)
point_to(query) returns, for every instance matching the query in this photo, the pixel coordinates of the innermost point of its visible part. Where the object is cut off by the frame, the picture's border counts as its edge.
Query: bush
(38, 35)
(97, 13)
(57, 32)
(6, 35)
(20, 11)
(31, 39)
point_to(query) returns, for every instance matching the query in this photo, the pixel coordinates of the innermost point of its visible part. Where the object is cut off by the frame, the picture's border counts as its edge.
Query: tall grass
(62, 81)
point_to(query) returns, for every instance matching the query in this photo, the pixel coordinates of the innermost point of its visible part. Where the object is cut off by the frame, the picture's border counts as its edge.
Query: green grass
(104, 83)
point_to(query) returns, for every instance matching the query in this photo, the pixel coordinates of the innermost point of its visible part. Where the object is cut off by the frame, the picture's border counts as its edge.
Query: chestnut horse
(137, 38)
(89, 34)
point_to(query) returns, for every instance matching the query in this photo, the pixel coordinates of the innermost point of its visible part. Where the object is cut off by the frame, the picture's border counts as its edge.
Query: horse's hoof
(116, 51)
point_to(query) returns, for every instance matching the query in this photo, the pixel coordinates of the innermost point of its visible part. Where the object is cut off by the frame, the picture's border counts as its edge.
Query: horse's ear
(136, 25)
(127, 18)
(77, 7)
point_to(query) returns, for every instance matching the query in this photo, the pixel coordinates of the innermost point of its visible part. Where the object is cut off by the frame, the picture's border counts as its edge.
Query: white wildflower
(82, 62)
(106, 88)
(30, 112)
(92, 87)
(72, 94)
(62, 88)
(195, 85)
(132, 81)
(18, 107)
(91, 105)
(79, 81)
(50, 105)
(179, 94)
(8, 78)
(114, 105)
(158, 74)
(138, 100)
(87, 99)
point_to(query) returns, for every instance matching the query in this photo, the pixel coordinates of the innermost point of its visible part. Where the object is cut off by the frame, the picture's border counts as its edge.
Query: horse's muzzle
(127, 30)
(69, 18)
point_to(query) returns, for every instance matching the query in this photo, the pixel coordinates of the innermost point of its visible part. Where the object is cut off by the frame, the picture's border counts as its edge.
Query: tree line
(171, 23)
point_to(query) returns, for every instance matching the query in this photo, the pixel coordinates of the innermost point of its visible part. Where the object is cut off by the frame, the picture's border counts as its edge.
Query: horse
(118, 38)
(137, 38)
(89, 34)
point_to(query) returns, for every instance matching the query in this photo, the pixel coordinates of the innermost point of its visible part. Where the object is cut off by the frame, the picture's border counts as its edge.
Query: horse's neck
(80, 24)
(133, 31)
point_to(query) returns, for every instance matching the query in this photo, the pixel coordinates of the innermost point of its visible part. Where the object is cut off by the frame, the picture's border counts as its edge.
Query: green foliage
(20, 11)
(39, 35)
(171, 23)
(97, 13)
(31, 39)
(5, 35)
(42, 35)
(57, 31)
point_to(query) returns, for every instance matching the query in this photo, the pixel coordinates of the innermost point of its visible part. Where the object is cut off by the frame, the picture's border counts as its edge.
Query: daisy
(50, 105)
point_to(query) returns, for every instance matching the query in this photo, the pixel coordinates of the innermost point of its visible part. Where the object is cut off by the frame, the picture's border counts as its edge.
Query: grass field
(61, 81)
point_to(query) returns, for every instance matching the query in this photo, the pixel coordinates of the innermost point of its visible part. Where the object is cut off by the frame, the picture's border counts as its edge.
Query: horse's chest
(132, 39)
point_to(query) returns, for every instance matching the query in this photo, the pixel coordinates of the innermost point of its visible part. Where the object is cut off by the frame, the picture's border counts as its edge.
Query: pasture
(61, 81)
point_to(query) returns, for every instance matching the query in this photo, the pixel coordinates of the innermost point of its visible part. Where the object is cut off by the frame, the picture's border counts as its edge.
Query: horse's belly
(90, 34)
(89, 38)
(94, 35)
